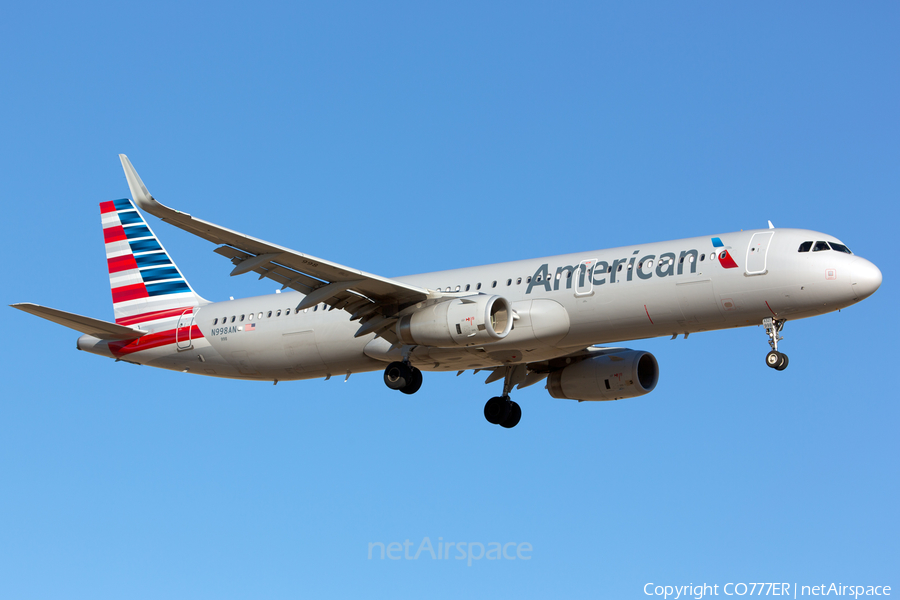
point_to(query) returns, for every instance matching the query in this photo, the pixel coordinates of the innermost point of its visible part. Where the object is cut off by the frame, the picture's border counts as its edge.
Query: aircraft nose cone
(865, 278)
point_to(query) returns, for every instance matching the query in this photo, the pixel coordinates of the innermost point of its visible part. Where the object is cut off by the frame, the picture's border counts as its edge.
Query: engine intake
(625, 374)
(470, 321)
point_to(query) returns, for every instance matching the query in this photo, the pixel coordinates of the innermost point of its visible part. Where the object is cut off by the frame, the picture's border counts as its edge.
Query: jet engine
(612, 376)
(469, 321)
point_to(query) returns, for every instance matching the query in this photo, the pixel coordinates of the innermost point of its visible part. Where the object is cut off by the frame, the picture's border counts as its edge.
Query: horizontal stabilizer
(103, 330)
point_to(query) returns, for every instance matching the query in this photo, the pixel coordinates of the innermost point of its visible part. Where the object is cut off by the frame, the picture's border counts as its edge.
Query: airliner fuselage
(563, 303)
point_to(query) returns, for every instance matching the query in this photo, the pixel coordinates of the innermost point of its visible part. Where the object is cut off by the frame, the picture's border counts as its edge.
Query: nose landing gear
(775, 359)
(403, 376)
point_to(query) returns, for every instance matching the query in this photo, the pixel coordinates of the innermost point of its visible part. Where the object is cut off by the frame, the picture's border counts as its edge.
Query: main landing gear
(403, 376)
(775, 359)
(500, 410)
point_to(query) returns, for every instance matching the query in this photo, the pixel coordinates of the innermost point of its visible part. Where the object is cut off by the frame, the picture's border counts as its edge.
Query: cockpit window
(839, 247)
(821, 246)
(805, 247)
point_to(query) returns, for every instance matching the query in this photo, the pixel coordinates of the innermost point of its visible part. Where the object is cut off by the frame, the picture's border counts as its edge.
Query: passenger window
(712, 256)
(278, 314)
(840, 248)
(702, 256)
(478, 287)
(216, 320)
(269, 315)
(493, 285)
(250, 317)
(242, 318)
(232, 318)
(315, 308)
(805, 247)
(259, 316)
(457, 288)
(509, 282)
(528, 279)
(468, 286)
(287, 311)
(821, 246)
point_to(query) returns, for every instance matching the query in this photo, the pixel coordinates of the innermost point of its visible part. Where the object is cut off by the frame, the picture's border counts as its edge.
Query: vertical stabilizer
(146, 284)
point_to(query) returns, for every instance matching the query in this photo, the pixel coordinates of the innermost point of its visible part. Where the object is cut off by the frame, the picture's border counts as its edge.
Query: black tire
(397, 375)
(415, 381)
(773, 359)
(514, 416)
(783, 364)
(496, 410)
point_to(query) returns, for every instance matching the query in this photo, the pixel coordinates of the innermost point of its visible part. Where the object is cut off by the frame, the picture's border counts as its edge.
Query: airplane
(525, 321)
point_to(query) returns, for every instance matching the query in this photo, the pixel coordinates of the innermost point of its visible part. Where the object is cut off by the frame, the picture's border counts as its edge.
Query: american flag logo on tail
(146, 285)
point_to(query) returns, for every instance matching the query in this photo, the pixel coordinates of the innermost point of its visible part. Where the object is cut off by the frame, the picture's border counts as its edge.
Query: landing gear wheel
(497, 409)
(415, 382)
(398, 375)
(403, 376)
(784, 363)
(777, 360)
(512, 419)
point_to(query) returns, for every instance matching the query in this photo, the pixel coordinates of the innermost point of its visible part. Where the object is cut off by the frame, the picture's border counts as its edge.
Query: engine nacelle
(469, 321)
(612, 376)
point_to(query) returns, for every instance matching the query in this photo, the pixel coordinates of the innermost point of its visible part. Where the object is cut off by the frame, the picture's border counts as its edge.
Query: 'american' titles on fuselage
(648, 266)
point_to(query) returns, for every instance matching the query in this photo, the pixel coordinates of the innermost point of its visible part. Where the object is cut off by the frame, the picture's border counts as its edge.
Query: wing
(374, 301)
(102, 330)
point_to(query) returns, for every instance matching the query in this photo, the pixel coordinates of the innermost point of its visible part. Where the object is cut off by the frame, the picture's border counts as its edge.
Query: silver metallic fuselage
(563, 303)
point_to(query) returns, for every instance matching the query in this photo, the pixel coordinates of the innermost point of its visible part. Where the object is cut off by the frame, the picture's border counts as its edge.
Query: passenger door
(183, 330)
(757, 253)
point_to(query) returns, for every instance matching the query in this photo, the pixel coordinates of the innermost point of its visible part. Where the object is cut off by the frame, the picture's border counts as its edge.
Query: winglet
(139, 192)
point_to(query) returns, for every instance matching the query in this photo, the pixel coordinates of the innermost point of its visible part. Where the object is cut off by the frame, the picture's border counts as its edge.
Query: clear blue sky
(402, 138)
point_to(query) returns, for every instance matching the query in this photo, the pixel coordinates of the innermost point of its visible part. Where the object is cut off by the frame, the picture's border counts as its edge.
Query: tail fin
(146, 284)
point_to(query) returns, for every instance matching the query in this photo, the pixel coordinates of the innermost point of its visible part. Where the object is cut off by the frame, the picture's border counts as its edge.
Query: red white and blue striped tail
(146, 284)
